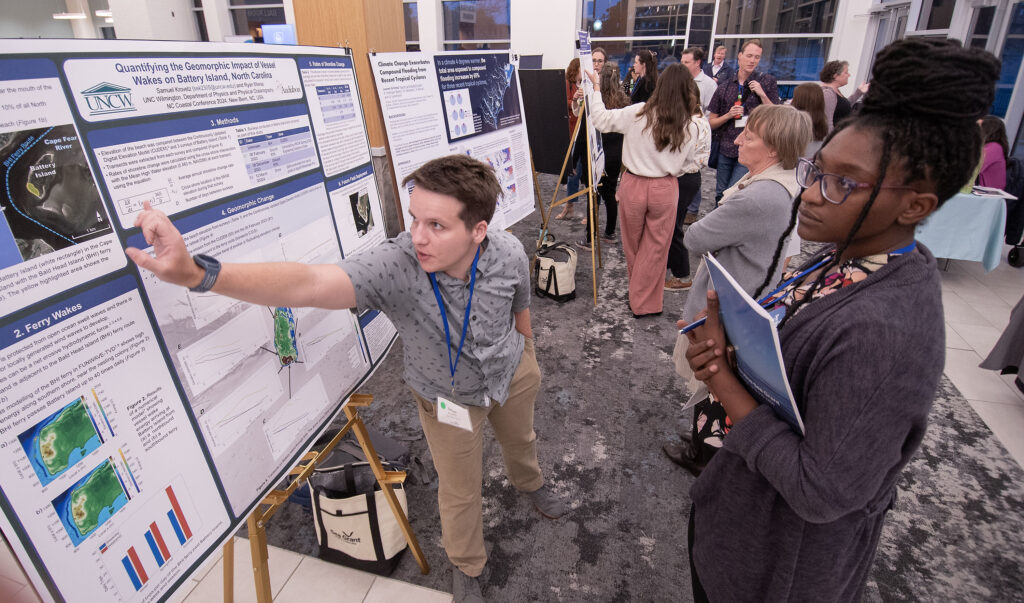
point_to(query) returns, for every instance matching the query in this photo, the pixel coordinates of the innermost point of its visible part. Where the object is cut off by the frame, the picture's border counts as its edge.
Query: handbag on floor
(556, 272)
(353, 522)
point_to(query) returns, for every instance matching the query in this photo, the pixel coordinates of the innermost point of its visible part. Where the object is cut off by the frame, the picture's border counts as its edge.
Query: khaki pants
(458, 458)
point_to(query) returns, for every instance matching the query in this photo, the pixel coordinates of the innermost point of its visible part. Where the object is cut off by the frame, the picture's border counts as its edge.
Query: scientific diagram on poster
(457, 103)
(54, 229)
(140, 422)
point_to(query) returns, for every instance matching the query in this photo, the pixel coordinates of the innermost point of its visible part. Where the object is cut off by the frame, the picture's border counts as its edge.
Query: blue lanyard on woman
(767, 299)
(452, 365)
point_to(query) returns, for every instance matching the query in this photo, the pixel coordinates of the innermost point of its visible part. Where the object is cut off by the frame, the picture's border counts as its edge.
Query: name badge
(454, 414)
(741, 122)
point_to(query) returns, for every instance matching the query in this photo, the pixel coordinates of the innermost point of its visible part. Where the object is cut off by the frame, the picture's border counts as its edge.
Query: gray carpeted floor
(609, 400)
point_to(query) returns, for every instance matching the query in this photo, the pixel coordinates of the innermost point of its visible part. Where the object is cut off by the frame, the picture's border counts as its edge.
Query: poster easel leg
(229, 569)
(258, 548)
(257, 520)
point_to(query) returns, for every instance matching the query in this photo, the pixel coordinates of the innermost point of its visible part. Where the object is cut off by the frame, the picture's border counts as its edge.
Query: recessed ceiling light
(69, 15)
(104, 13)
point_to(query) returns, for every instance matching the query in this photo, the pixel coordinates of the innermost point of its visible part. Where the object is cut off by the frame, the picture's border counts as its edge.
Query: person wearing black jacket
(647, 76)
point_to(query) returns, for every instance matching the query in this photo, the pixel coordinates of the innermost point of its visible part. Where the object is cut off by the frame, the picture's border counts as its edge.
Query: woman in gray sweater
(780, 516)
(742, 233)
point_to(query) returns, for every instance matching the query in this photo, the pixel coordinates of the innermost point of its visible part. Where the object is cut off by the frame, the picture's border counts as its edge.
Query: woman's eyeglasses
(834, 188)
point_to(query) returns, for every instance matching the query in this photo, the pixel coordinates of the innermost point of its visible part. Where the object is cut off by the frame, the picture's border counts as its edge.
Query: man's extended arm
(272, 284)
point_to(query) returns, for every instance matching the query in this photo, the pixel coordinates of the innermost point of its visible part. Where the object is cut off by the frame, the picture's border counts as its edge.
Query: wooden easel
(590, 191)
(257, 521)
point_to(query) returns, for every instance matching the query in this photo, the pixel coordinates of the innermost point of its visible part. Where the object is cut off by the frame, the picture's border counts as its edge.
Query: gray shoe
(547, 503)
(465, 589)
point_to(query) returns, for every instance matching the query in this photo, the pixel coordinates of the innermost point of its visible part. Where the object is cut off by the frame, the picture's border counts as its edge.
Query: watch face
(206, 261)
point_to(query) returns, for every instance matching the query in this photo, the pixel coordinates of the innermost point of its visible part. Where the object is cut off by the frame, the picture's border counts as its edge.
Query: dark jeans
(699, 596)
(607, 187)
(728, 173)
(694, 206)
(678, 256)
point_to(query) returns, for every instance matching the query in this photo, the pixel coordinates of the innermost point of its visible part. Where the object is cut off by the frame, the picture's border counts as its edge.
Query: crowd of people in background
(727, 93)
(791, 515)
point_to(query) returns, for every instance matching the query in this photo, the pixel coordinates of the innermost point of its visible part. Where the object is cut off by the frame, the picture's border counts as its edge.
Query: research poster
(593, 136)
(140, 422)
(457, 102)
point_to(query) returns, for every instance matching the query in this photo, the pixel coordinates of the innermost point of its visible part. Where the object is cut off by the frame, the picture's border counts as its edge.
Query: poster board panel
(140, 422)
(452, 103)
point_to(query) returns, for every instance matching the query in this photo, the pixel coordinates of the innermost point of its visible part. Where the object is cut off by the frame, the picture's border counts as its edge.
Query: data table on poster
(336, 103)
(270, 157)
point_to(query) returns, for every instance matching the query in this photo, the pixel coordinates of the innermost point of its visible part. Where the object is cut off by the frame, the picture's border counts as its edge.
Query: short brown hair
(467, 180)
(754, 41)
(696, 52)
(784, 129)
(597, 50)
(831, 70)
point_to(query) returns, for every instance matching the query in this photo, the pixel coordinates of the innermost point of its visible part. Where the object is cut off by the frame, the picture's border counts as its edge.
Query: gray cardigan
(742, 234)
(780, 517)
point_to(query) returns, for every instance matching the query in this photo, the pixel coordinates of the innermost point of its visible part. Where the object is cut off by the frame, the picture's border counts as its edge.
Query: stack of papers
(988, 191)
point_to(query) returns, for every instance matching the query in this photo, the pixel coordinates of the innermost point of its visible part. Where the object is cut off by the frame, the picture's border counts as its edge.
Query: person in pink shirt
(994, 154)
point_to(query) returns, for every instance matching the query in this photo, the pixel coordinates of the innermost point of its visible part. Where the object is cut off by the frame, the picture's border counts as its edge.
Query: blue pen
(766, 298)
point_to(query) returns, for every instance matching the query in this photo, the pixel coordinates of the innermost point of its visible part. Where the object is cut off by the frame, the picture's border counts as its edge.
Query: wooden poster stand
(595, 241)
(257, 521)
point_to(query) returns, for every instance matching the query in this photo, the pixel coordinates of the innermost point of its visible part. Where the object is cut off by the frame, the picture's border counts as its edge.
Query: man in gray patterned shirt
(459, 297)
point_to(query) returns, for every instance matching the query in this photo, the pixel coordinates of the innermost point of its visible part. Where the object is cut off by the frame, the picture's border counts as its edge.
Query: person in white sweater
(662, 140)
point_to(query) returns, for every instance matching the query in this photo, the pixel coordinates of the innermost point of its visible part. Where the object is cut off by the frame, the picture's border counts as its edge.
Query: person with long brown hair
(994, 153)
(646, 72)
(661, 141)
(574, 104)
(810, 98)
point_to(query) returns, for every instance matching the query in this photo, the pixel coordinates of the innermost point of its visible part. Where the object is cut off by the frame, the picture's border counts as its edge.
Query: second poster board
(437, 104)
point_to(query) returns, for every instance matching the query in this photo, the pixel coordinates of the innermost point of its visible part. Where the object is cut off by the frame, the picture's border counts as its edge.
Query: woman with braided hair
(779, 515)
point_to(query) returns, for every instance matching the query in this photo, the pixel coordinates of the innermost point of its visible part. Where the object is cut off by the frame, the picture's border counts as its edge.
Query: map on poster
(454, 103)
(141, 422)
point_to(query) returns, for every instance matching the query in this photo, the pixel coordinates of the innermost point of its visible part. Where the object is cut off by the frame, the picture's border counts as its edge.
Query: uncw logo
(107, 98)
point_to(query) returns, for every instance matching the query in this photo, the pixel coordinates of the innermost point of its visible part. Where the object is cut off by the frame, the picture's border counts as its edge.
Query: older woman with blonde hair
(742, 234)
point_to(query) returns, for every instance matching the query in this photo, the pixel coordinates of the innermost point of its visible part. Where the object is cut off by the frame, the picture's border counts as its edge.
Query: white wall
(431, 27)
(851, 30)
(154, 20)
(546, 27)
(29, 19)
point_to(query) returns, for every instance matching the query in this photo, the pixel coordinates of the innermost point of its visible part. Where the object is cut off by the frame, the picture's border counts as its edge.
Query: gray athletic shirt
(389, 278)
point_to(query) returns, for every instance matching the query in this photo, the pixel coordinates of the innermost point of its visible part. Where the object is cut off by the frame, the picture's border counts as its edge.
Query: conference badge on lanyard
(449, 412)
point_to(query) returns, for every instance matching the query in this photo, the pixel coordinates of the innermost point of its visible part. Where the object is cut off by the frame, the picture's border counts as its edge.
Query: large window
(197, 10)
(412, 25)
(476, 25)
(935, 14)
(796, 34)
(250, 16)
(1012, 54)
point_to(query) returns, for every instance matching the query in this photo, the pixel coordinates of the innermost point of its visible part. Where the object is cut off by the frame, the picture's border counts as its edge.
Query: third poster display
(457, 102)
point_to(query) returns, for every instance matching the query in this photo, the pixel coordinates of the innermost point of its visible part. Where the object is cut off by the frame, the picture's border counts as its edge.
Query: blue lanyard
(827, 258)
(768, 298)
(465, 322)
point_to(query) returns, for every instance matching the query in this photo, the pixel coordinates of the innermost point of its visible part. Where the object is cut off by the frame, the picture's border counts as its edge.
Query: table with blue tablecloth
(966, 227)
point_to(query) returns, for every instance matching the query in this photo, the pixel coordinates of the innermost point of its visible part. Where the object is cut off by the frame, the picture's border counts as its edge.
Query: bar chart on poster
(141, 422)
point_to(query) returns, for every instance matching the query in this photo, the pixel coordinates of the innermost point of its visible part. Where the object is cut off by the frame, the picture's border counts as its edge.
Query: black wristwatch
(212, 268)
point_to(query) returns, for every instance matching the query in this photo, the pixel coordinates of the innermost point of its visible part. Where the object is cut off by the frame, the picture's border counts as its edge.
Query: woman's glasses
(834, 188)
